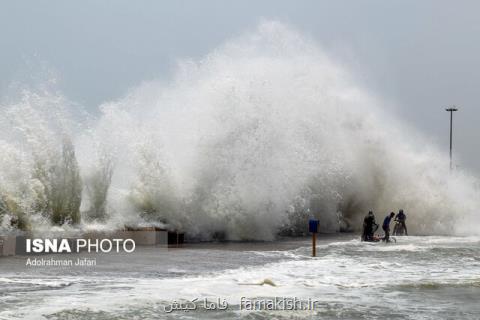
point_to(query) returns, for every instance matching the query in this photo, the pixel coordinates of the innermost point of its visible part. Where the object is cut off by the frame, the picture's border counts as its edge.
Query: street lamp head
(451, 109)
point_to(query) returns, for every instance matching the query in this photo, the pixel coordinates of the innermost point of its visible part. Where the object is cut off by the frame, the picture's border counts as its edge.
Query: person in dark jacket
(401, 218)
(368, 226)
(386, 226)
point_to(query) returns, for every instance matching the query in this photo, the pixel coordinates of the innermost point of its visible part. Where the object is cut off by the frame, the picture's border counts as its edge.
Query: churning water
(417, 278)
(262, 133)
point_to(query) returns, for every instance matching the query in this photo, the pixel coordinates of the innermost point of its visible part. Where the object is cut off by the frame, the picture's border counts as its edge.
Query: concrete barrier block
(150, 237)
(161, 238)
(7, 245)
(21, 245)
(144, 237)
(175, 239)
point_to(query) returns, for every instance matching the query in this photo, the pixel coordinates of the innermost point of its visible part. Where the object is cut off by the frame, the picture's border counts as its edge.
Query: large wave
(246, 143)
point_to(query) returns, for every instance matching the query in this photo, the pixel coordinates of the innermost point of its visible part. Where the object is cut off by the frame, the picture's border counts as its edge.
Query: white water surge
(251, 140)
(415, 278)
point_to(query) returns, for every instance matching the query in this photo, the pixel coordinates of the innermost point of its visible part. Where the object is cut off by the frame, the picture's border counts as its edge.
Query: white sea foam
(350, 276)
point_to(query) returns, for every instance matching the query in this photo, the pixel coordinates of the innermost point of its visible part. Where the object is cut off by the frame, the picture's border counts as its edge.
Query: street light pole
(451, 110)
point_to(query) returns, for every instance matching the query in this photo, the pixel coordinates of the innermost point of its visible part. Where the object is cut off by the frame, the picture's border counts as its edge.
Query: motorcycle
(376, 237)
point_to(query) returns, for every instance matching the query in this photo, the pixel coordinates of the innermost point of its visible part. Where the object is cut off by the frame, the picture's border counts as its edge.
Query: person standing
(401, 218)
(386, 226)
(368, 223)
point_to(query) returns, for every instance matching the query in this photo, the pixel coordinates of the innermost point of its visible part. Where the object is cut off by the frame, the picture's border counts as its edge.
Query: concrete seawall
(15, 244)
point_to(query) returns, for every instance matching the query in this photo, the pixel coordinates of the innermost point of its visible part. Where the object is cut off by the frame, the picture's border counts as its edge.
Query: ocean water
(428, 277)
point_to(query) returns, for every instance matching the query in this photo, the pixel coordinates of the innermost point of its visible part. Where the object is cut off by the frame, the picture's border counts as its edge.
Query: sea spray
(45, 179)
(252, 140)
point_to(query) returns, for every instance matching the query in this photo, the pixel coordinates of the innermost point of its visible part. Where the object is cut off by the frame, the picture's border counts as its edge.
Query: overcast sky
(419, 56)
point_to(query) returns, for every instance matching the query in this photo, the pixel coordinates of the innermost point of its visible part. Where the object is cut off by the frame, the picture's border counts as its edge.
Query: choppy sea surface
(414, 278)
